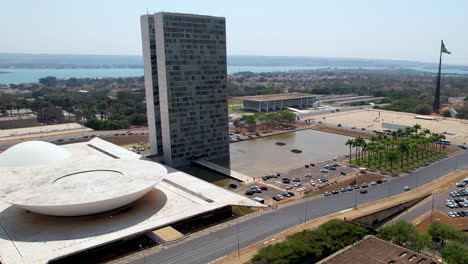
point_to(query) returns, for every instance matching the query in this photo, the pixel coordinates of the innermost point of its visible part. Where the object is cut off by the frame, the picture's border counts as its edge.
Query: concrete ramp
(295, 110)
(379, 218)
(228, 172)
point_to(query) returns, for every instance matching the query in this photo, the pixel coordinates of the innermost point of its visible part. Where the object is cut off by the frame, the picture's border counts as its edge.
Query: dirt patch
(458, 223)
(341, 131)
(118, 140)
(360, 179)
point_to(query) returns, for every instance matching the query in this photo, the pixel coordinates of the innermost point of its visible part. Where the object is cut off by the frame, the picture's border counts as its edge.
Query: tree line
(266, 120)
(451, 242)
(310, 246)
(404, 149)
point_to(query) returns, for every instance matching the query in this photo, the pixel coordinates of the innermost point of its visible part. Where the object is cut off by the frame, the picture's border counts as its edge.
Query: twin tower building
(186, 86)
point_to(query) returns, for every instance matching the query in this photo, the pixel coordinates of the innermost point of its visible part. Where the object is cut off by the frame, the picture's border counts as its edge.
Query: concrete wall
(377, 219)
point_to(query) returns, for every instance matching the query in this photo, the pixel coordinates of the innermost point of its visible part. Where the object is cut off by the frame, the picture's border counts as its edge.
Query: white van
(259, 200)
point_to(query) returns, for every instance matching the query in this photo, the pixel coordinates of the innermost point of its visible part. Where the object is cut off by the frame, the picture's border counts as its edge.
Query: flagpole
(437, 92)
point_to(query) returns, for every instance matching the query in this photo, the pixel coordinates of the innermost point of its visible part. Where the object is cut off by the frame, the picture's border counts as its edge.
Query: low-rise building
(372, 250)
(274, 102)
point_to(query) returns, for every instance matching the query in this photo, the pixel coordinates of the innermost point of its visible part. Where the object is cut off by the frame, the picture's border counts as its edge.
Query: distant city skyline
(396, 30)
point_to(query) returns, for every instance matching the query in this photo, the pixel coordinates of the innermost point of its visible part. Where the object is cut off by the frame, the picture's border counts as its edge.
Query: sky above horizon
(398, 29)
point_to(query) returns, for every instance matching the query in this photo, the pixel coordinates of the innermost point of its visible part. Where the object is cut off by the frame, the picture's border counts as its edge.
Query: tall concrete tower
(186, 86)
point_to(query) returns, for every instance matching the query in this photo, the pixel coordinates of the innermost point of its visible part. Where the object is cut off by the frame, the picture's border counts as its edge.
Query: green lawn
(408, 164)
(242, 210)
(310, 195)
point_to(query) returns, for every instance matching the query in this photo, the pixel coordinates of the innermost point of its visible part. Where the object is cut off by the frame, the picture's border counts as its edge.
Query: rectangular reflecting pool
(256, 157)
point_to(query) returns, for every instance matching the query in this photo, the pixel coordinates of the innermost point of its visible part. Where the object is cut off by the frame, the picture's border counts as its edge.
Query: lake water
(16, 76)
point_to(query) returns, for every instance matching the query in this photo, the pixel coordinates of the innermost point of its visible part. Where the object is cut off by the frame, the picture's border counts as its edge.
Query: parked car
(326, 194)
(335, 192)
(298, 184)
(363, 191)
(296, 179)
(249, 192)
(312, 164)
(286, 180)
(291, 193)
(308, 175)
(233, 185)
(324, 170)
(278, 198)
(289, 187)
(343, 173)
(307, 165)
(286, 194)
(364, 185)
(263, 188)
(373, 183)
(342, 190)
(407, 188)
(349, 188)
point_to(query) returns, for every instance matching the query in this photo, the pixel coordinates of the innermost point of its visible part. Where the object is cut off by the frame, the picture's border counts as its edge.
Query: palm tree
(402, 149)
(359, 143)
(416, 127)
(349, 143)
(380, 147)
(392, 157)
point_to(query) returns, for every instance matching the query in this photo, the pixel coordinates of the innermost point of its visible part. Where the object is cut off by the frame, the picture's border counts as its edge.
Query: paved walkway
(228, 172)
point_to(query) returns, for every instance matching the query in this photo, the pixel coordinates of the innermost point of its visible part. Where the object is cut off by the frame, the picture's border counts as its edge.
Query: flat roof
(275, 97)
(373, 250)
(20, 133)
(27, 237)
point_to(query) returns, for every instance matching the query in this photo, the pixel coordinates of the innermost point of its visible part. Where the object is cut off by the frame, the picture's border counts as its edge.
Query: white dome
(32, 153)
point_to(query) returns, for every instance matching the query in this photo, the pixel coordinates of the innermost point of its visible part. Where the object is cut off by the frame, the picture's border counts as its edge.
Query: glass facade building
(186, 86)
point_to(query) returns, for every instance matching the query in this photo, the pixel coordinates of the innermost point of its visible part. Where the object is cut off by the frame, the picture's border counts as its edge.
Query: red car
(307, 165)
(264, 188)
(312, 164)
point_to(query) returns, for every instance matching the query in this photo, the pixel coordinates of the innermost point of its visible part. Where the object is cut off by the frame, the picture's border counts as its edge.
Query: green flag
(443, 49)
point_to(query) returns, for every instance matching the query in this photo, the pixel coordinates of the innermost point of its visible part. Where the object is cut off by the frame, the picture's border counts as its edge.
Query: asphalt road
(225, 241)
(75, 136)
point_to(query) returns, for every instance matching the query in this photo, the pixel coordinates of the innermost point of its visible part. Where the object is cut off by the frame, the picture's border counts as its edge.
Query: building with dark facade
(274, 102)
(185, 82)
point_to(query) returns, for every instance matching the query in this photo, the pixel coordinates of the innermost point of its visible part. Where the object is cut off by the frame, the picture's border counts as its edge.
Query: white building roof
(27, 237)
(32, 153)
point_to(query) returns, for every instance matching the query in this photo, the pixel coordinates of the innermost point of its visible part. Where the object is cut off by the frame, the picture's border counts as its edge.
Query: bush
(455, 253)
(312, 245)
(405, 234)
(423, 109)
(97, 124)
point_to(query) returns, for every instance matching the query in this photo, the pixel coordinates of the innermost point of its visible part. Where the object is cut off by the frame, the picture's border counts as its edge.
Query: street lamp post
(355, 200)
(305, 217)
(238, 241)
(143, 251)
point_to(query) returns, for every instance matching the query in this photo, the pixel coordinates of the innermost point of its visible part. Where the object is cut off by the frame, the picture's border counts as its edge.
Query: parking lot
(317, 178)
(457, 203)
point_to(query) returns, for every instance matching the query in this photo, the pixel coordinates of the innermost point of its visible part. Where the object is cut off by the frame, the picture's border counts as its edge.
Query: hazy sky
(376, 29)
